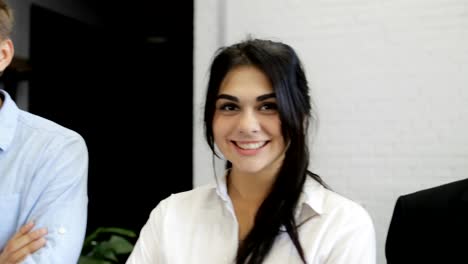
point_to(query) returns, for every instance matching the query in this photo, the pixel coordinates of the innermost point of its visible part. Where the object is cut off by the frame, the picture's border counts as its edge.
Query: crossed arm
(56, 204)
(22, 244)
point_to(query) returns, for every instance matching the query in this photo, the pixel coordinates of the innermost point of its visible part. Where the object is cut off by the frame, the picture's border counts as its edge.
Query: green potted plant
(107, 245)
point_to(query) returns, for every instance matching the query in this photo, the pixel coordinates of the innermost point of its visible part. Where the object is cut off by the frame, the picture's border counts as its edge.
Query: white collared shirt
(199, 226)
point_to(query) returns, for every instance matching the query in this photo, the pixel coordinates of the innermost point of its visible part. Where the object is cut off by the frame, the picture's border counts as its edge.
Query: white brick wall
(389, 78)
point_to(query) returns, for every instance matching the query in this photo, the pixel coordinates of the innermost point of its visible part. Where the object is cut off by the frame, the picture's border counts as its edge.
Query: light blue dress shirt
(43, 177)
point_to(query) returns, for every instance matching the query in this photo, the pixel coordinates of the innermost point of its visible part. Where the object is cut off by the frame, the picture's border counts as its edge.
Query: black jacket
(430, 226)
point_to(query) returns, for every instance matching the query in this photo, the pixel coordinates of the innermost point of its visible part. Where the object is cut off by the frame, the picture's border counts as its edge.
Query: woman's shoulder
(190, 200)
(203, 192)
(332, 204)
(345, 209)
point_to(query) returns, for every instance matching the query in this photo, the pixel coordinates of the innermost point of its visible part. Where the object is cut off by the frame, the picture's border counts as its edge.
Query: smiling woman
(268, 207)
(246, 123)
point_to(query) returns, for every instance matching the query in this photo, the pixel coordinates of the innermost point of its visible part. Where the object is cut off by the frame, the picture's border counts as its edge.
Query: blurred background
(388, 78)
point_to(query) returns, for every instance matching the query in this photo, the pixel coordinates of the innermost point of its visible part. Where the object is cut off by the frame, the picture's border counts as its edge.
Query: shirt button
(62, 230)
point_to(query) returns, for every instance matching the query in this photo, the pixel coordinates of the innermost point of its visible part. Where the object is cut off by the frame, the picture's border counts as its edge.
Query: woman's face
(246, 123)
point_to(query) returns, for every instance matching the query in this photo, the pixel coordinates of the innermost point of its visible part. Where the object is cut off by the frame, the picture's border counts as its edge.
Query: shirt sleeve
(356, 244)
(148, 248)
(58, 194)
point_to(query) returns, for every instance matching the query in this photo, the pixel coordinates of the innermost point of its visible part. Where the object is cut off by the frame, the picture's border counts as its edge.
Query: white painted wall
(389, 79)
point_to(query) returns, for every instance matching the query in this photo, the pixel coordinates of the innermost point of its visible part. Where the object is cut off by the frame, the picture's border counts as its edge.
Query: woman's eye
(269, 107)
(228, 107)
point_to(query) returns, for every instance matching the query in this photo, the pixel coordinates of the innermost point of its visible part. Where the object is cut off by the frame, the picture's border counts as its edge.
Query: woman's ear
(6, 53)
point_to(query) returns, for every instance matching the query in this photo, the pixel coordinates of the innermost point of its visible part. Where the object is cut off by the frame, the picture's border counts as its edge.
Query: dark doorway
(126, 87)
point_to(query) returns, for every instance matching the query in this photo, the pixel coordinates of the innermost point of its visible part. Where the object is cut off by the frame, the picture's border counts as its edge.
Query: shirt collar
(313, 194)
(221, 187)
(8, 120)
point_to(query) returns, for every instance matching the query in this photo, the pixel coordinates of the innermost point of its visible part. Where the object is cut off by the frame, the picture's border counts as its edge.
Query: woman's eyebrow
(265, 96)
(235, 99)
(227, 97)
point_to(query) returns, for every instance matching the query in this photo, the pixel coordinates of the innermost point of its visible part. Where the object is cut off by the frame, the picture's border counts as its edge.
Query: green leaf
(92, 260)
(120, 245)
(107, 245)
(108, 230)
(104, 250)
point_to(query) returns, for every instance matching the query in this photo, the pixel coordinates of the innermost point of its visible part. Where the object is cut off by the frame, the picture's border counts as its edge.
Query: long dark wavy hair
(280, 63)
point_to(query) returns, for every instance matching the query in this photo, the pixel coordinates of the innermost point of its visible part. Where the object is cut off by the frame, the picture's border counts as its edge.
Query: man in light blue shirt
(43, 180)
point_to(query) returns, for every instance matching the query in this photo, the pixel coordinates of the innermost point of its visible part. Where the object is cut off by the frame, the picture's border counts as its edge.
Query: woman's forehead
(247, 81)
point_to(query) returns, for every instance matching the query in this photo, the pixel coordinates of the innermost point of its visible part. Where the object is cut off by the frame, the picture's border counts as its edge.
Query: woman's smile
(249, 148)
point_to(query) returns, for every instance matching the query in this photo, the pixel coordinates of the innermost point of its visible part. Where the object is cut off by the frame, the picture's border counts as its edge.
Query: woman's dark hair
(280, 63)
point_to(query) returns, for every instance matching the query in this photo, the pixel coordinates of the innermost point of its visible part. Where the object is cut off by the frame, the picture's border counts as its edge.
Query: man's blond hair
(6, 20)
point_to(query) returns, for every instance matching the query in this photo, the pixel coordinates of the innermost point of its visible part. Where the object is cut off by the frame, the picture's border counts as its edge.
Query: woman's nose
(248, 122)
